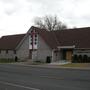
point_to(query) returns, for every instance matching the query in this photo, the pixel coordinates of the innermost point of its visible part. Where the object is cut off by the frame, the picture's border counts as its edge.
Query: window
(35, 35)
(35, 43)
(35, 39)
(56, 53)
(14, 51)
(6, 51)
(31, 36)
(31, 43)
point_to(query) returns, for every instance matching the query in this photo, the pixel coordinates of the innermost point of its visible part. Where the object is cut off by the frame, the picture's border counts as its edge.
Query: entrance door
(69, 55)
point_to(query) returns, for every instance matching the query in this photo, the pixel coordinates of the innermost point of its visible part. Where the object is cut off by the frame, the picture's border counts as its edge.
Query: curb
(52, 66)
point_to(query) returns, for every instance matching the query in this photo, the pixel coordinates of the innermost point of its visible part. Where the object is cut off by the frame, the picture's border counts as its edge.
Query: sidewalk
(54, 65)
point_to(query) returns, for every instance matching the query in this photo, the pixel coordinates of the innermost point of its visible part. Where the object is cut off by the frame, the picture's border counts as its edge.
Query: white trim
(82, 48)
(26, 35)
(67, 47)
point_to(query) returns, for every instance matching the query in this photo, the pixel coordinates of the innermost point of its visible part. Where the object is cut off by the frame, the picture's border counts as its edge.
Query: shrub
(80, 58)
(85, 58)
(75, 58)
(88, 59)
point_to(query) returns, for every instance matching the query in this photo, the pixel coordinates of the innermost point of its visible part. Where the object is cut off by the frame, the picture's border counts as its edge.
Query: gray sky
(17, 16)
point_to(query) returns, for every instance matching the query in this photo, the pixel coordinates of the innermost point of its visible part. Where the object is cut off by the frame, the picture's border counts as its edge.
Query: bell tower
(33, 43)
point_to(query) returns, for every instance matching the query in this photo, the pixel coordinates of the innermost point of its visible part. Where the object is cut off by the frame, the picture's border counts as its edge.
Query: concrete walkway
(52, 65)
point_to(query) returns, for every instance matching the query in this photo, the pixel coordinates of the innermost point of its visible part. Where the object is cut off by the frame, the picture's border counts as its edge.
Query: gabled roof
(80, 37)
(10, 42)
(47, 36)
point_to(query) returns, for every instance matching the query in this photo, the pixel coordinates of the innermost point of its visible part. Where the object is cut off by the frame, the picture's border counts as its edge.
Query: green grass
(6, 60)
(76, 65)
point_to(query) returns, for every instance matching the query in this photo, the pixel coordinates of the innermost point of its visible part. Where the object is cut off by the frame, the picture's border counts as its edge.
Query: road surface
(19, 77)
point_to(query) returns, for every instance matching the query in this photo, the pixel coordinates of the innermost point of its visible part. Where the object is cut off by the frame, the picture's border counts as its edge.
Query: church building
(42, 45)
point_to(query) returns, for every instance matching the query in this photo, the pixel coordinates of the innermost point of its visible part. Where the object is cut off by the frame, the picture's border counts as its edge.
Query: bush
(75, 59)
(88, 59)
(80, 58)
(85, 58)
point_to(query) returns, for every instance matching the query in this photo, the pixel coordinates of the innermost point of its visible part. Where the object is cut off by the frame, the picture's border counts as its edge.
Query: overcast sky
(17, 16)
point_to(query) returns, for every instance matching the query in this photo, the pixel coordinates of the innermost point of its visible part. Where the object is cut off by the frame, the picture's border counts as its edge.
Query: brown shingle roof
(80, 37)
(10, 41)
(47, 36)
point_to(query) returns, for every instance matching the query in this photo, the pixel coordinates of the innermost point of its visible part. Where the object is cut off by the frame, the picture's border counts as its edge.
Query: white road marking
(20, 86)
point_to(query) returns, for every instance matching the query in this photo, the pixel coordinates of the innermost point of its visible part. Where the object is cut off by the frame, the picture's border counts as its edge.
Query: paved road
(19, 77)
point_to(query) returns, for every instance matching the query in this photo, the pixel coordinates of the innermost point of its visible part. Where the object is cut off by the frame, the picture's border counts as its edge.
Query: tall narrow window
(35, 35)
(14, 51)
(6, 51)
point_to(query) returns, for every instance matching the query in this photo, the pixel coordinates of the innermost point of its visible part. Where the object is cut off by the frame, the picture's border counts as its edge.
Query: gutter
(66, 47)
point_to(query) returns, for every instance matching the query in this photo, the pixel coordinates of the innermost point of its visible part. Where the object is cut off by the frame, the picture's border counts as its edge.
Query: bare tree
(50, 23)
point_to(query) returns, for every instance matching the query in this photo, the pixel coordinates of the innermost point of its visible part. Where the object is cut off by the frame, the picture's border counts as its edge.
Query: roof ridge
(68, 29)
(14, 35)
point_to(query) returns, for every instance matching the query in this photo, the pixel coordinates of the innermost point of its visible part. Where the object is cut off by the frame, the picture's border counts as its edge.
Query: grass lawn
(76, 65)
(6, 60)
